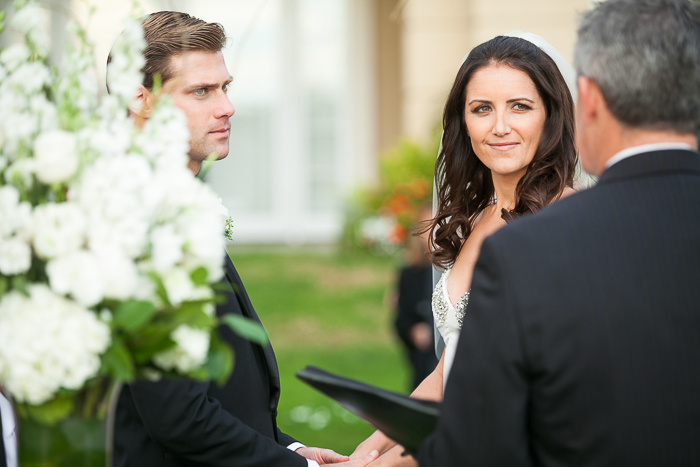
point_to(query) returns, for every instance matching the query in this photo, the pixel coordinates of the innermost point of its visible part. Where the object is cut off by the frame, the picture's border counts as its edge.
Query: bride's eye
(520, 106)
(482, 109)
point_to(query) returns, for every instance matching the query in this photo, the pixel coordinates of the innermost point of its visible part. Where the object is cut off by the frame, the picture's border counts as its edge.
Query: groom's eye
(200, 92)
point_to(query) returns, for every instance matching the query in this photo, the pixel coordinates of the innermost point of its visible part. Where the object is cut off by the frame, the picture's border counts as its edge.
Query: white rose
(59, 229)
(77, 274)
(189, 353)
(15, 256)
(166, 248)
(56, 156)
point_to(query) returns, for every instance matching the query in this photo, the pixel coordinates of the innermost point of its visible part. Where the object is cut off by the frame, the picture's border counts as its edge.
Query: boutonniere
(228, 227)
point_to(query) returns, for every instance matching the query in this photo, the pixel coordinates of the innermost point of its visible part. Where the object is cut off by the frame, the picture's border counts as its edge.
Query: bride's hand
(394, 458)
(377, 441)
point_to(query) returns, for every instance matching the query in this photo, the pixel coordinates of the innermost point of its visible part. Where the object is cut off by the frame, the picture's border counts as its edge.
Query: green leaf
(117, 361)
(219, 363)
(133, 315)
(3, 285)
(151, 340)
(160, 288)
(51, 412)
(199, 276)
(246, 328)
(193, 315)
(19, 283)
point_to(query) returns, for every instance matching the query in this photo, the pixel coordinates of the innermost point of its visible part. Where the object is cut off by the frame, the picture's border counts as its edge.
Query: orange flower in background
(399, 204)
(419, 189)
(398, 234)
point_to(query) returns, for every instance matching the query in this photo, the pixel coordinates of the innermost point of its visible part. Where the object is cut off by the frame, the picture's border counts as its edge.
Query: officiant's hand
(330, 458)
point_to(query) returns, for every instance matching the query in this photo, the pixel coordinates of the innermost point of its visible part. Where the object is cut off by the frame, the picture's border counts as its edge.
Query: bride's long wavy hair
(464, 184)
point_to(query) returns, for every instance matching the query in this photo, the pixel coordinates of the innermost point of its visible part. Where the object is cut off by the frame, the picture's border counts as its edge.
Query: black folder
(406, 420)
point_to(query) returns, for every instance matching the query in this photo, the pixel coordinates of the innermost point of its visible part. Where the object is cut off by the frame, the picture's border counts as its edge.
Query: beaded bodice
(441, 302)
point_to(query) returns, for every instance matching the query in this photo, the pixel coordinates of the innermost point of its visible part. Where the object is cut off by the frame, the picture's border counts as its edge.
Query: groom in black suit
(180, 422)
(581, 342)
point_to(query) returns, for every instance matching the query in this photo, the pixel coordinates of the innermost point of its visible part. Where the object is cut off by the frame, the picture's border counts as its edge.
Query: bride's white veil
(581, 178)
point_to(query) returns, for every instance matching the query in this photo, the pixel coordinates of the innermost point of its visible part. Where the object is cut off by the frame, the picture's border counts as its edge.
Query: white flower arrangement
(109, 247)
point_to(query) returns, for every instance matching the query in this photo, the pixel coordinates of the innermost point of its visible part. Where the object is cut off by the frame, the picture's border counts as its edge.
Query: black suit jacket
(180, 422)
(581, 342)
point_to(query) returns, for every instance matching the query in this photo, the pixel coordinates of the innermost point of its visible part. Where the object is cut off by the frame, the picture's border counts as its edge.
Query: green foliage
(118, 362)
(133, 315)
(246, 328)
(49, 413)
(219, 362)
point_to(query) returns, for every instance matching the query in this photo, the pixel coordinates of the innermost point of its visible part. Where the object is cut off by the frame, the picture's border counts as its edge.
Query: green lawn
(324, 309)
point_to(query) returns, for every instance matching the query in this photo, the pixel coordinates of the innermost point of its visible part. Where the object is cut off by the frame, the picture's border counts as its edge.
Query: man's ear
(143, 102)
(590, 99)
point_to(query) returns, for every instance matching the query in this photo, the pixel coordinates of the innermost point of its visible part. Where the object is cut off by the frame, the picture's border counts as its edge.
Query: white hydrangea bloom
(15, 217)
(124, 71)
(29, 21)
(15, 256)
(166, 250)
(120, 202)
(190, 351)
(47, 342)
(15, 55)
(119, 275)
(77, 274)
(59, 229)
(178, 285)
(56, 156)
(29, 78)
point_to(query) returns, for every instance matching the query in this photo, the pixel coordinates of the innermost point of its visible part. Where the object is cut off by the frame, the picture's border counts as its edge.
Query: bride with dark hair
(507, 150)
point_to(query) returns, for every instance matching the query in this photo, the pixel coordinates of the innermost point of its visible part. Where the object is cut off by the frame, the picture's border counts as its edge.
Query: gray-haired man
(581, 344)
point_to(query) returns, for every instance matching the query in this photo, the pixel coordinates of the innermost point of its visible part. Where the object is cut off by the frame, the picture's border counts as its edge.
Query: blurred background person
(414, 317)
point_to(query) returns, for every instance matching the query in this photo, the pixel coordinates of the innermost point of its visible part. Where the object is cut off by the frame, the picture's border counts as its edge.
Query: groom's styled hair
(643, 55)
(170, 33)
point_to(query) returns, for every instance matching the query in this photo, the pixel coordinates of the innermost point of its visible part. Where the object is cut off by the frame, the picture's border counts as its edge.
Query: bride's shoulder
(567, 192)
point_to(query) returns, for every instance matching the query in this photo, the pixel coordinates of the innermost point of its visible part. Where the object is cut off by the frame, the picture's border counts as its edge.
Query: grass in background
(328, 310)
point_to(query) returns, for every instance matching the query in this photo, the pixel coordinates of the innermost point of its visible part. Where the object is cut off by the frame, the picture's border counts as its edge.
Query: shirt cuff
(297, 445)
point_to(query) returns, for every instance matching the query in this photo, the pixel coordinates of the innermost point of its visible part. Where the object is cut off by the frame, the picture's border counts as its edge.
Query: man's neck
(194, 166)
(631, 137)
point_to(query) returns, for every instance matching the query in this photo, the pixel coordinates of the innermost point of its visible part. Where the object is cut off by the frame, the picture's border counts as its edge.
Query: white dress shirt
(8, 431)
(634, 150)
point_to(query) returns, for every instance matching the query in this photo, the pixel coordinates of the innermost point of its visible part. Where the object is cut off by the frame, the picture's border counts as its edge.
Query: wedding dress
(448, 319)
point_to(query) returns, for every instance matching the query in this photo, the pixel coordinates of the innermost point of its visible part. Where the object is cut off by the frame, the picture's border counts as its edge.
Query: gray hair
(644, 55)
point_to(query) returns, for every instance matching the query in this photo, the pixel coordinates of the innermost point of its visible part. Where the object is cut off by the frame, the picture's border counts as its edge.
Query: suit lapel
(249, 312)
